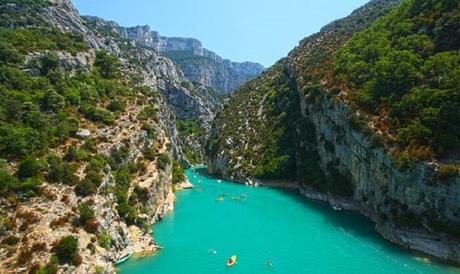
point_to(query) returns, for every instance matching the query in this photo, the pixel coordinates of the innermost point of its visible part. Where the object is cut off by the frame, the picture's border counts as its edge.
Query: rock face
(197, 63)
(187, 99)
(392, 198)
(330, 158)
(222, 75)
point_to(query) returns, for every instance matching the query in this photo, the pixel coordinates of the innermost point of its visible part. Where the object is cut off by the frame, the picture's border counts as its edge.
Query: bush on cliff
(30, 167)
(61, 172)
(104, 239)
(90, 184)
(177, 173)
(86, 212)
(66, 249)
(51, 267)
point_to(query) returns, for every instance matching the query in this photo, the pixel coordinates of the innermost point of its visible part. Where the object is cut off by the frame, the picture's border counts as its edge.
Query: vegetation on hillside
(23, 13)
(253, 126)
(41, 105)
(406, 70)
(190, 127)
(185, 58)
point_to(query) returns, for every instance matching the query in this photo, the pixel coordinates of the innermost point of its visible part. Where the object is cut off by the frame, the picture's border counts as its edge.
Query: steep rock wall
(407, 206)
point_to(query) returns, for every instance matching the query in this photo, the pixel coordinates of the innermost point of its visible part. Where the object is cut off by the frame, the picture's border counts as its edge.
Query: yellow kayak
(231, 261)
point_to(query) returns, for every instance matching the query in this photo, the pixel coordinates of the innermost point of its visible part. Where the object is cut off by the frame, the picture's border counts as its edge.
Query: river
(262, 225)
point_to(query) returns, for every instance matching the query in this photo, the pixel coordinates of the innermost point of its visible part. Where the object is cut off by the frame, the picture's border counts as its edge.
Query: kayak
(231, 261)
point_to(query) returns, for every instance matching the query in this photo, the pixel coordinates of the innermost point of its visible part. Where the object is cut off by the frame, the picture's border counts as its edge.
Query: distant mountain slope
(198, 63)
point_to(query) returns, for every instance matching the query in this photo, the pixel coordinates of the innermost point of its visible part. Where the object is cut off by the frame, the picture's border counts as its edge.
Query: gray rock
(83, 133)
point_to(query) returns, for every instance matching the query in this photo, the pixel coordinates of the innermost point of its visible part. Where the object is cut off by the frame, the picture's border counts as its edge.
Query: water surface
(295, 234)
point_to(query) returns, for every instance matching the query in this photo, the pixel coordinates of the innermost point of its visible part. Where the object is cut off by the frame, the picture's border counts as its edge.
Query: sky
(260, 31)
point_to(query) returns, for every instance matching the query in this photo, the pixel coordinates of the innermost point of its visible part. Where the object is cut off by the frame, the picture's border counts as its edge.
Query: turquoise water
(295, 234)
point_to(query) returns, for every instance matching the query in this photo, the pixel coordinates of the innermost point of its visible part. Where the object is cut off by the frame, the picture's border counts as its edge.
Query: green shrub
(118, 157)
(75, 154)
(107, 64)
(190, 127)
(104, 239)
(446, 172)
(116, 106)
(357, 122)
(177, 173)
(415, 132)
(150, 153)
(67, 248)
(97, 115)
(30, 167)
(90, 184)
(100, 270)
(86, 212)
(49, 62)
(123, 178)
(9, 54)
(401, 159)
(10, 240)
(6, 224)
(90, 145)
(52, 102)
(7, 182)
(51, 267)
(38, 39)
(127, 212)
(96, 164)
(151, 133)
(30, 187)
(163, 161)
(147, 112)
(122, 184)
(61, 172)
(377, 140)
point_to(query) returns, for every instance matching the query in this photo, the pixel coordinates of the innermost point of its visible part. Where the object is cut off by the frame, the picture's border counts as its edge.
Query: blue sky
(241, 30)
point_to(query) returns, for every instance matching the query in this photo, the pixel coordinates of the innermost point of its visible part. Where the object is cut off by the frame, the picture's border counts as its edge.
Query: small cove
(295, 234)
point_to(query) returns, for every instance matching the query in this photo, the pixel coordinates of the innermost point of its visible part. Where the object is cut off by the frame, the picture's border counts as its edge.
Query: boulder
(83, 133)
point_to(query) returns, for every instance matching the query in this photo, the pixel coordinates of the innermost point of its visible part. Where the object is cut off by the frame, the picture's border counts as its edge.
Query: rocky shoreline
(435, 246)
(144, 245)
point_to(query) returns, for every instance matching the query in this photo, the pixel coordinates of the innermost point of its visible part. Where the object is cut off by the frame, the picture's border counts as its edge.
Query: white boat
(124, 258)
(336, 208)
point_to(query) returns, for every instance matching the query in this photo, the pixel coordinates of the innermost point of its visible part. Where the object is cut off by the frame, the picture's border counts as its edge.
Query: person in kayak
(231, 261)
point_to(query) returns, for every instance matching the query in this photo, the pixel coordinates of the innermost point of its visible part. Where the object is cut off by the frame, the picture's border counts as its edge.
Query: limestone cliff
(197, 63)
